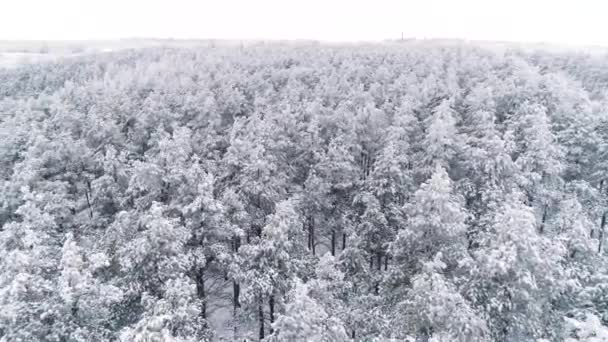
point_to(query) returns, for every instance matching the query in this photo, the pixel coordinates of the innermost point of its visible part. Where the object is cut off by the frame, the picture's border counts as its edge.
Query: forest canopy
(305, 192)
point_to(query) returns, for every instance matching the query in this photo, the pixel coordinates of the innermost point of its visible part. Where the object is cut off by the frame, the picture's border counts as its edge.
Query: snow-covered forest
(305, 192)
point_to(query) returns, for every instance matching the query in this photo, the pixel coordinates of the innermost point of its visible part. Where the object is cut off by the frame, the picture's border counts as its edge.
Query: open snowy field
(15, 53)
(14, 59)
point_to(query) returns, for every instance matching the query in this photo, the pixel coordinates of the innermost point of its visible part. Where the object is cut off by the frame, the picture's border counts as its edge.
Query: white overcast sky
(558, 21)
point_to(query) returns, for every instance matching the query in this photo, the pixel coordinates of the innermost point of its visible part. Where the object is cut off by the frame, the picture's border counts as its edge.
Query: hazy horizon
(542, 21)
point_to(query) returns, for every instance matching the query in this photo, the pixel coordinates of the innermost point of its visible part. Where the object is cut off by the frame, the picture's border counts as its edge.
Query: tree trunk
(543, 220)
(306, 228)
(379, 268)
(333, 242)
(200, 290)
(601, 233)
(261, 319)
(386, 263)
(236, 288)
(312, 236)
(343, 241)
(87, 191)
(271, 309)
(236, 292)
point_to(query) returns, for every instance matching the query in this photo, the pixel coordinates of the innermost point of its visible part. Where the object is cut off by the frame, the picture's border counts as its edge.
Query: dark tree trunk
(261, 319)
(236, 288)
(87, 191)
(310, 230)
(343, 241)
(312, 236)
(271, 310)
(379, 268)
(333, 242)
(200, 290)
(601, 233)
(543, 220)
(386, 263)
(236, 292)
(307, 230)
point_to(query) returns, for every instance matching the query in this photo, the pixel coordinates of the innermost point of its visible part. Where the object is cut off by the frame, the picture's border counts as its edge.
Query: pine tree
(272, 263)
(436, 222)
(441, 141)
(29, 266)
(434, 308)
(517, 274)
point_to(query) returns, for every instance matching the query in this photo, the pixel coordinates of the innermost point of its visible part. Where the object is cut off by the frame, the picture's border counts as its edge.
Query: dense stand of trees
(305, 193)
